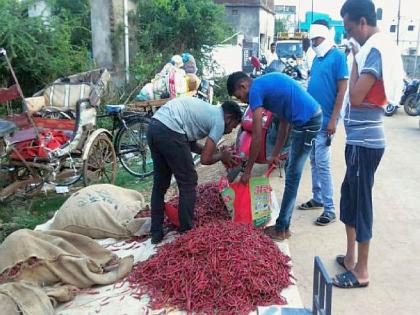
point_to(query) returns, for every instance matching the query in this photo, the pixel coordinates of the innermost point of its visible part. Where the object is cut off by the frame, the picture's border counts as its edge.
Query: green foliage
(220, 91)
(168, 27)
(40, 50)
(279, 27)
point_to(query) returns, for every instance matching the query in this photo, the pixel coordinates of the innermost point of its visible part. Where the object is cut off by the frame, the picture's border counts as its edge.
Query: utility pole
(312, 12)
(417, 50)
(398, 21)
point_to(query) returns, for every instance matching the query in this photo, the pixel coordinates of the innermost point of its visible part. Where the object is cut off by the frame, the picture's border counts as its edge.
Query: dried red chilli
(218, 268)
(209, 205)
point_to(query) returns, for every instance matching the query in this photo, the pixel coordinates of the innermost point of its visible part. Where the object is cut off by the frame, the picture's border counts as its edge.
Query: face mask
(322, 49)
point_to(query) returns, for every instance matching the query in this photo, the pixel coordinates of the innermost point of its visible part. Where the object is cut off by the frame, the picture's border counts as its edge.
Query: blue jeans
(302, 138)
(322, 186)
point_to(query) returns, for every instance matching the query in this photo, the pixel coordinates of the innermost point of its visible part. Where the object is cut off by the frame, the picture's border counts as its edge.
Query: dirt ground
(394, 262)
(395, 248)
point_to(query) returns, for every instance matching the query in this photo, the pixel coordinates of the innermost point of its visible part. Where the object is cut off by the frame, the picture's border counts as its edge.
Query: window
(410, 28)
(234, 12)
(393, 28)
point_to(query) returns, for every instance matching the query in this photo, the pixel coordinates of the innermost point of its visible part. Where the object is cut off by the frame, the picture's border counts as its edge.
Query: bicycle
(132, 121)
(130, 141)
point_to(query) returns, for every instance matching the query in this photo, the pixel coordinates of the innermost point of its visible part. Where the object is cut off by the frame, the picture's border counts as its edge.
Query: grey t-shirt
(192, 117)
(364, 125)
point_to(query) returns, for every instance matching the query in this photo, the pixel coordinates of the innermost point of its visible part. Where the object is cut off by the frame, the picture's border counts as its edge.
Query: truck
(289, 45)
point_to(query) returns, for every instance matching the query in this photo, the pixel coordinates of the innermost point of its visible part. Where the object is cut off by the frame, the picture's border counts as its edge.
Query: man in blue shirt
(327, 84)
(285, 98)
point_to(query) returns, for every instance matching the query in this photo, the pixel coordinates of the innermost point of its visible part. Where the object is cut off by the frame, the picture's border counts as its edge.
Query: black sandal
(348, 280)
(325, 219)
(311, 205)
(340, 260)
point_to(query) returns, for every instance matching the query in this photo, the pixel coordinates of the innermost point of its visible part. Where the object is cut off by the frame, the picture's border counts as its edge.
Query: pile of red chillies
(218, 268)
(209, 205)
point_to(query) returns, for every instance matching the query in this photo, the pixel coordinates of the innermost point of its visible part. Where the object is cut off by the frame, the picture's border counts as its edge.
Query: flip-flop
(340, 260)
(348, 280)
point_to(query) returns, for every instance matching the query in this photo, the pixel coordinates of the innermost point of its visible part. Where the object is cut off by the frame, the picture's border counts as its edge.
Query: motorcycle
(411, 97)
(391, 108)
(258, 66)
(270, 126)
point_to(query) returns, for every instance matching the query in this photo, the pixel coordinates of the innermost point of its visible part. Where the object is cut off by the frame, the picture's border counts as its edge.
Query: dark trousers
(171, 154)
(356, 208)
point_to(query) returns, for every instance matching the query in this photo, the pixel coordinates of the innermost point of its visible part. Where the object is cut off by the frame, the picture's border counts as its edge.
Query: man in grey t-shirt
(172, 136)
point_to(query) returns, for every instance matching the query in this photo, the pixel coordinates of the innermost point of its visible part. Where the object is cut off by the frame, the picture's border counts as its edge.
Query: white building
(287, 12)
(404, 29)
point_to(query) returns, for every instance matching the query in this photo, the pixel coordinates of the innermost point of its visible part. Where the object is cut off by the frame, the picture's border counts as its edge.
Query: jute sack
(22, 298)
(102, 211)
(56, 257)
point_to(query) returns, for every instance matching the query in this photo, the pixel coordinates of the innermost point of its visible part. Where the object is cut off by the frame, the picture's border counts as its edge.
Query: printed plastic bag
(249, 203)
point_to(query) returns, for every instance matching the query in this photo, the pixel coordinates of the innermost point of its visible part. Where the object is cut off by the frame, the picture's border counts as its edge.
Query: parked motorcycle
(258, 66)
(390, 109)
(411, 97)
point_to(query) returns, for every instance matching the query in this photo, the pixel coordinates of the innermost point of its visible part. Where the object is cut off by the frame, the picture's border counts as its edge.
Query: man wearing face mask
(327, 85)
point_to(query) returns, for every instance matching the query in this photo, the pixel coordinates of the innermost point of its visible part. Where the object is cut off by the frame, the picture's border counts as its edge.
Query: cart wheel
(101, 165)
(71, 169)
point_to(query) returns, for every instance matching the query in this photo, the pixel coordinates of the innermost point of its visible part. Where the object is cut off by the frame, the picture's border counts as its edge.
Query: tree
(39, 53)
(168, 27)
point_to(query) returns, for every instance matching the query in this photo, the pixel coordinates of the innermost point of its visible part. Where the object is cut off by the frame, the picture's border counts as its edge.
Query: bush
(40, 50)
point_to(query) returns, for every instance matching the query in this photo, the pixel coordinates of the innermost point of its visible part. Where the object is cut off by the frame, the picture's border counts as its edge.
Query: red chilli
(217, 268)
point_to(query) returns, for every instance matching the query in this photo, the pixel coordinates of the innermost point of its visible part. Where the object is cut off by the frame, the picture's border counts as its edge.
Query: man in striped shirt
(371, 86)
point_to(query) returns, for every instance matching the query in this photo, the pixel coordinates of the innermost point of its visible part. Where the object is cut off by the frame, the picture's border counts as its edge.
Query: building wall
(101, 33)
(287, 12)
(107, 46)
(39, 8)
(267, 28)
(408, 16)
(409, 62)
(245, 20)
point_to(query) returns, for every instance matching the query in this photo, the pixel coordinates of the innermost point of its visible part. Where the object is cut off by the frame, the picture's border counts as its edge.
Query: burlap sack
(23, 298)
(101, 211)
(51, 257)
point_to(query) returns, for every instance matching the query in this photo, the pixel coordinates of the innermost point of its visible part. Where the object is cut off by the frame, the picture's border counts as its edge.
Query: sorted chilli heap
(218, 268)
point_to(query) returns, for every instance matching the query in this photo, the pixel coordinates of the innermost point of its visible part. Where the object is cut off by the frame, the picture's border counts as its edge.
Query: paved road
(395, 249)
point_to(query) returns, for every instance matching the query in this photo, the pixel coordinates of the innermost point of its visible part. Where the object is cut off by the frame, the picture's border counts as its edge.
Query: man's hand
(245, 177)
(228, 158)
(332, 126)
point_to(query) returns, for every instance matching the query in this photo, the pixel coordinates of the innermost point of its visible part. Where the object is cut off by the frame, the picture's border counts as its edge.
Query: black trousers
(171, 154)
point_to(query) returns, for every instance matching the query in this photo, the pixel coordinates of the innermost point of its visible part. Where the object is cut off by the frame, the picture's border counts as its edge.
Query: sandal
(348, 280)
(311, 205)
(340, 260)
(325, 219)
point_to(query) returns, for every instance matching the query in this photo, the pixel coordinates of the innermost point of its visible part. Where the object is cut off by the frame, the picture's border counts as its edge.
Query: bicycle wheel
(132, 149)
